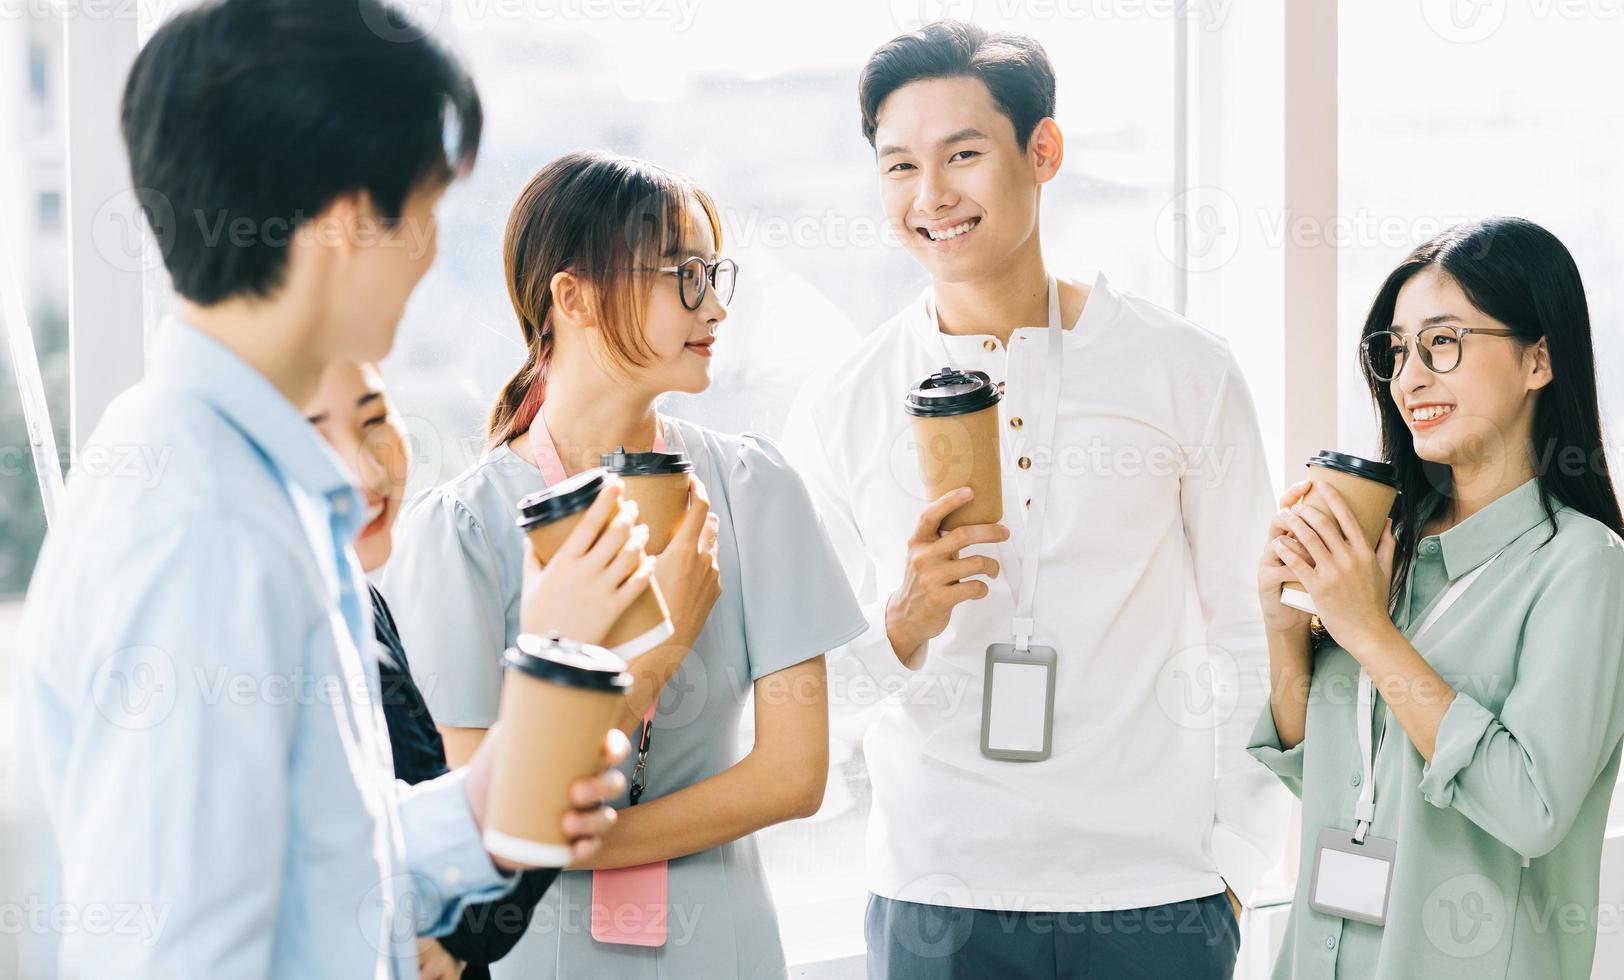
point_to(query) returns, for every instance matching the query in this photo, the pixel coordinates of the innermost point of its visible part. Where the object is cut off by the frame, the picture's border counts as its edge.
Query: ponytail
(521, 397)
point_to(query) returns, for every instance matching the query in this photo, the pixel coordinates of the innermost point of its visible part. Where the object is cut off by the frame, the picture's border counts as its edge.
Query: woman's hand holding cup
(1347, 579)
(687, 571)
(593, 577)
(1272, 571)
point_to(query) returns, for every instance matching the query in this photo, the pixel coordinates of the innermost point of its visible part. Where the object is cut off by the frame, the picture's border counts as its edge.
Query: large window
(31, 162)
(1455, 110)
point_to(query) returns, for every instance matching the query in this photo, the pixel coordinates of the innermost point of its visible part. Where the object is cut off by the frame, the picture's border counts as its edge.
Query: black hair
(1521, 275)
(258, 114)
(1014, 67)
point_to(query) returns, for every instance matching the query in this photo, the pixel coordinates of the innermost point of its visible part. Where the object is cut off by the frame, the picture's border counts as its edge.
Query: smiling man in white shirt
(1111, 855)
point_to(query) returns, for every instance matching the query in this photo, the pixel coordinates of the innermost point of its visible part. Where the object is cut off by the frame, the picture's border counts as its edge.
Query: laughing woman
(1480, 645)
(613, 271)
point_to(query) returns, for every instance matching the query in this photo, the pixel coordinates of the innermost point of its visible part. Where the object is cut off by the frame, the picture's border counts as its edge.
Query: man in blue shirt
(199, 730)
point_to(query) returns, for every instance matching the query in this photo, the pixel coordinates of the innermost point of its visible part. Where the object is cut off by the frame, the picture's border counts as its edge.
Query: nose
(712, 309)
(934, 193)
(1414, 375)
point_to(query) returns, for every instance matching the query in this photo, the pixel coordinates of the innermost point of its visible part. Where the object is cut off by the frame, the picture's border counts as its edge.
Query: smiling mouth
(948, 236)
(1430, 415)
(375, 518)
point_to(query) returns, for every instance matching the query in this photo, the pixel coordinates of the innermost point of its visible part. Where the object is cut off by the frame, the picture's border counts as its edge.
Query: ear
(343, 225)
(1046, 148)
(1539, 365)
(575, 301)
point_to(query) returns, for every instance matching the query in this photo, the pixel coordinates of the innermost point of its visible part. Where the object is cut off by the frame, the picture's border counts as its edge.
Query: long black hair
(1521, 275)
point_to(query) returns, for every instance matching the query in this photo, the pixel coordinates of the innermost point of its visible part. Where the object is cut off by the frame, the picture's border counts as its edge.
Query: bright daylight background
(1449, 110)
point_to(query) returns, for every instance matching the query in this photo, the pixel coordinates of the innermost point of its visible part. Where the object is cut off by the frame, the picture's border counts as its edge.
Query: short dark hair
(1014, 67)
(258, 114)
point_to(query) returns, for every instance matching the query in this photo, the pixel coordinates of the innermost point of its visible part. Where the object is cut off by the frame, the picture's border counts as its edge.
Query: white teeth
(954, 232)
(374, 512)
(1431, 412)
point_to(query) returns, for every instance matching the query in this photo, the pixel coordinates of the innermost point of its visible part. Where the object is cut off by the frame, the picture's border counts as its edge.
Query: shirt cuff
(1264, 746)
(1249, 833)
(448, 865)
(872, 648)
(1453, 748)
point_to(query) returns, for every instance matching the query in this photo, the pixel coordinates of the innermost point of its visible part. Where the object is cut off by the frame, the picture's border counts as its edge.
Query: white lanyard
(1049, 410)
(1364, 812)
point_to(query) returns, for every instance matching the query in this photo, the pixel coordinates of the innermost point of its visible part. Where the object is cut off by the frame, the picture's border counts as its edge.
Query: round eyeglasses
(695, 275)
(1440, 345)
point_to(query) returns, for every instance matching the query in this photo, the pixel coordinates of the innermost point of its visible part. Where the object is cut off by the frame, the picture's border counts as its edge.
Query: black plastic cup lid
(560, 500)
(560, 661)
(622, 463)
(1357, 466)
(950, 392)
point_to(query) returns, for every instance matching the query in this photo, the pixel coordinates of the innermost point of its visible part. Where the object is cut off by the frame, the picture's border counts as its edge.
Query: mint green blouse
(1526, 760)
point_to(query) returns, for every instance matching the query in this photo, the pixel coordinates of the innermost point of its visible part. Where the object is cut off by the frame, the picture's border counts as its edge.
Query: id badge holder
(1352, 880)
(629, 905)
(1017, 703)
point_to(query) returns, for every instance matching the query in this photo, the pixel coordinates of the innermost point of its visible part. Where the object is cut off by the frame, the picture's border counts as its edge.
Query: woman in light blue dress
(613, 271)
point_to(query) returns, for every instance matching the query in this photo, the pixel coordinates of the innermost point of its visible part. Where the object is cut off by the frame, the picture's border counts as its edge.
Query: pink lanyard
(547, 460)
(552, 472)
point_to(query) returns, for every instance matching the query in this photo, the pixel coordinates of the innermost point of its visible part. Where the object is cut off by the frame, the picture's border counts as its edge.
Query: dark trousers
(1197, 939)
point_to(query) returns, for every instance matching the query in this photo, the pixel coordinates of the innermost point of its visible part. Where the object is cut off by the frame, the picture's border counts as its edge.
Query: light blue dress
(454, 584)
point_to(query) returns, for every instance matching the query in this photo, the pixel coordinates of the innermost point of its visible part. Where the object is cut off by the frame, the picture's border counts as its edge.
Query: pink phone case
(629, 905)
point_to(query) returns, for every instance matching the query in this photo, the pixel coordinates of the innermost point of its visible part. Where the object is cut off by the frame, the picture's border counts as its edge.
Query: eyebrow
(368, 398)
(1432, 321)
(964, 135)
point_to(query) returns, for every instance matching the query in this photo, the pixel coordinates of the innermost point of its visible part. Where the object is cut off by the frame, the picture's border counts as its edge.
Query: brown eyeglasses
(1440, 346)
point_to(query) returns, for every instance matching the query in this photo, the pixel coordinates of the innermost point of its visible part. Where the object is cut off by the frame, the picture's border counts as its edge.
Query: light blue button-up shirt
(198, 727)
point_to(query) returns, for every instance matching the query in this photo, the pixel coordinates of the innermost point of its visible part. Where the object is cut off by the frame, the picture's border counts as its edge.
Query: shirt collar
(186, 358)
(1101, 306)
(1487, 532)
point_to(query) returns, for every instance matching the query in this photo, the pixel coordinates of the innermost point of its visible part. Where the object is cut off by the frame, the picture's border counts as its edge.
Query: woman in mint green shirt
(1502, 722)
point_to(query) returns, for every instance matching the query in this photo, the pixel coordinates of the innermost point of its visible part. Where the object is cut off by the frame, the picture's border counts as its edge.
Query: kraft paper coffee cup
(955, 426)
(659, 484)
(559, 701)
(1368, 487)
(548, 518)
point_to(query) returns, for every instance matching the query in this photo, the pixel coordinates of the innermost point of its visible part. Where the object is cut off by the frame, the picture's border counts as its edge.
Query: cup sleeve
(797, 601)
